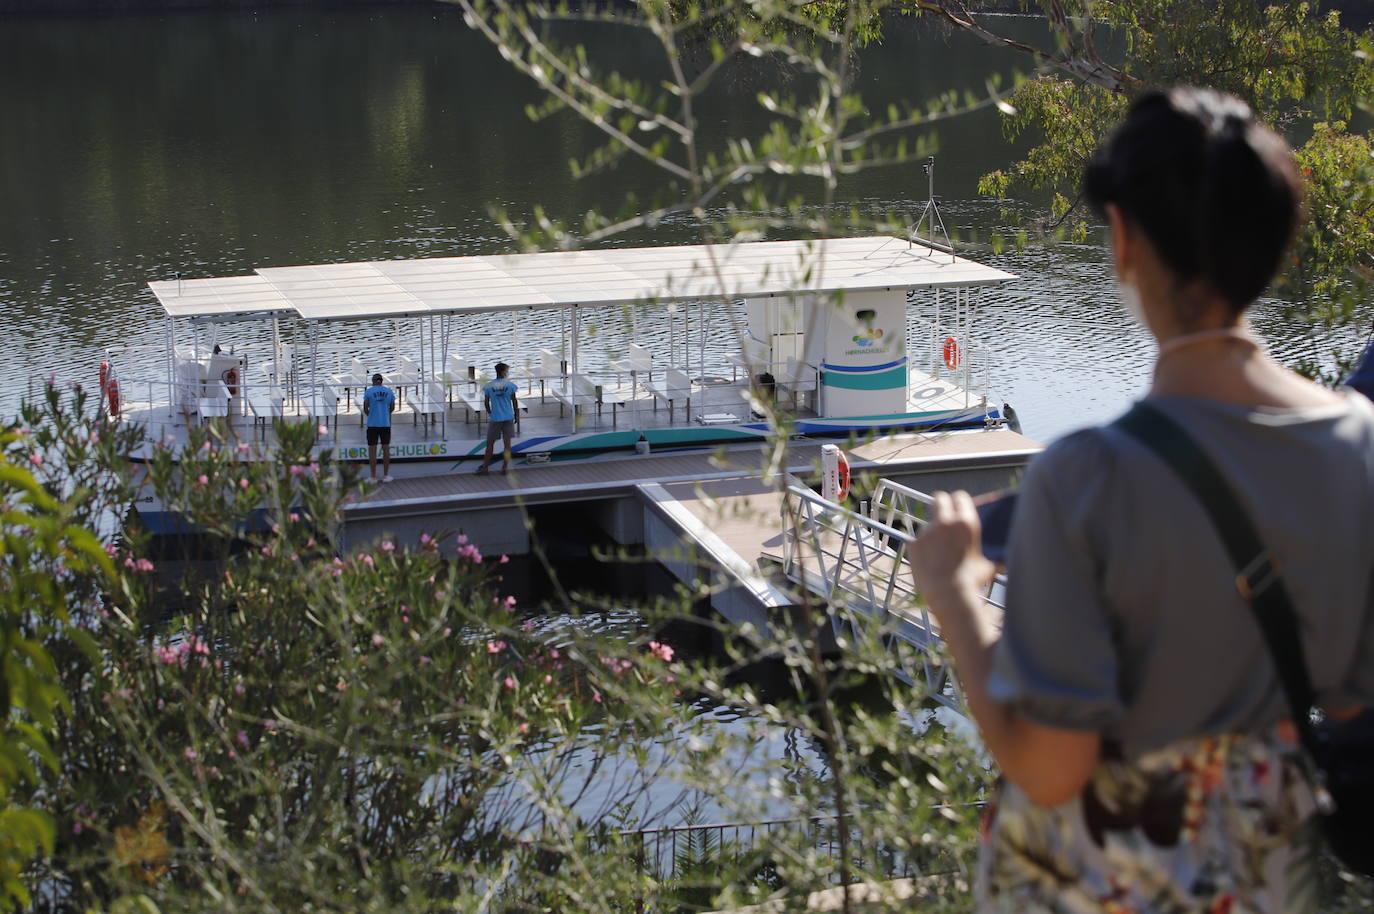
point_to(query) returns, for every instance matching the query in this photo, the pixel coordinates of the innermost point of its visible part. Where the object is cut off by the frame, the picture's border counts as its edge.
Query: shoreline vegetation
(1355, 13)
(144, 6)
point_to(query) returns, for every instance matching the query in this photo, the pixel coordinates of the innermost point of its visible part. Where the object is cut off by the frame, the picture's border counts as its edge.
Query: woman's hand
(947, 559)
(952, 574)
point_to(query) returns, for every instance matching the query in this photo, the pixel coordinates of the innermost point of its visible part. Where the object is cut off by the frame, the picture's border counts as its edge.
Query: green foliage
(1298, 70)
(728, 185)
(43, 551)
(263, 721)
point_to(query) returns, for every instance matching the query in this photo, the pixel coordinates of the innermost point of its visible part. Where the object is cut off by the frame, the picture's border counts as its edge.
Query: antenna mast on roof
(931, 216)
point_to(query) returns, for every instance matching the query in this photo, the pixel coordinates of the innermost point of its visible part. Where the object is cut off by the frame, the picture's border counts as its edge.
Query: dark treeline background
(1355, 13)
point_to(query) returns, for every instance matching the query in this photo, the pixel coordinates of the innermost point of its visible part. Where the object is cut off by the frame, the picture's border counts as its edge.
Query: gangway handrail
(808, 518)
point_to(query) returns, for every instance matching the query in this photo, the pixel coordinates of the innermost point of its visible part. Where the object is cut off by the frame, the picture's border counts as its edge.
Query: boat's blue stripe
(860, 369)
(887, 380)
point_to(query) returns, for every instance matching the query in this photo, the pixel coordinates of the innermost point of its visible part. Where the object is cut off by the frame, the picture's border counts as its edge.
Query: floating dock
(709, 516)
(493, 510)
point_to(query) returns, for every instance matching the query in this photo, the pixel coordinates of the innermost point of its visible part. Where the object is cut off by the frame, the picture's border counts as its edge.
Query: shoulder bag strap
(1257, 571)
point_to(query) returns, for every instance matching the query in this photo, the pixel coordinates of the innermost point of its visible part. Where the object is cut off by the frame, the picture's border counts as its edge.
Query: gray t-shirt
(1122, 613)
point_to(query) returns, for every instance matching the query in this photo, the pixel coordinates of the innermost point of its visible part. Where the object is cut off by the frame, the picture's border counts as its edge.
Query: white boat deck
(628, 406)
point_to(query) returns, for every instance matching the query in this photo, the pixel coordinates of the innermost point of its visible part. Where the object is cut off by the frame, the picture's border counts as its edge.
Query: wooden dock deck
(493, 510)
(730, 531)
(609, 475)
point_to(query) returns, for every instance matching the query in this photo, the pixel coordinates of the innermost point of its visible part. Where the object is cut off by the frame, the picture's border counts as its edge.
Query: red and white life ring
(104, 377)
(112, 394)
(843, 491)
(231, 381)
(951, 353)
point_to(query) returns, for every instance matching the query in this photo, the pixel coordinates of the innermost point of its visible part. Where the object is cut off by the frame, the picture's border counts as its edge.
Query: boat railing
(944, 352)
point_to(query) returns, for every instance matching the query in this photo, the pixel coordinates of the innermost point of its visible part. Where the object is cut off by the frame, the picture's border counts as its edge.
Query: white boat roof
(225, 296)
(615, 276)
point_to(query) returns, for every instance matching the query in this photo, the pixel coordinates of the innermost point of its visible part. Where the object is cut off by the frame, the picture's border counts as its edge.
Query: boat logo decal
(869, 338)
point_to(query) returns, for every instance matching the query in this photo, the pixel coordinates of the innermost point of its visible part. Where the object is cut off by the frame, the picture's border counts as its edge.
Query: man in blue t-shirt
(503, 409)
(378, 403)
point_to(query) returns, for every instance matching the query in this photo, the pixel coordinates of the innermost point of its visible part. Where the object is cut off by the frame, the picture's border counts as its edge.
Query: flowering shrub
(257, 720)
(276, 724)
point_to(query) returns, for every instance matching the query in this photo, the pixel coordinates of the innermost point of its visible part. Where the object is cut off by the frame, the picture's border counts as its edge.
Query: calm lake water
(214, 142)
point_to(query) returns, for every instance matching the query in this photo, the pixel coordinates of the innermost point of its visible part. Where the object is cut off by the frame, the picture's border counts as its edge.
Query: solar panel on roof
(567, 278)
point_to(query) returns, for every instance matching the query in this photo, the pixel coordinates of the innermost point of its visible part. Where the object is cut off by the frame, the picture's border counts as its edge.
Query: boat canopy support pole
(171, 363)
(701, 346)
(276, 351)
(314, 358)
(576, 331)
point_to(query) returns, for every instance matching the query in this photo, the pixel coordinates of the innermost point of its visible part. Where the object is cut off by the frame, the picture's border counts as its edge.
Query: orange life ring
(231, 381)
(842, 491)
(951, 353)
(112, 393)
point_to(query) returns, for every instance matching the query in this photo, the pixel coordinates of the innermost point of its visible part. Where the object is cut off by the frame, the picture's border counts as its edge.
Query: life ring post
(835, 476)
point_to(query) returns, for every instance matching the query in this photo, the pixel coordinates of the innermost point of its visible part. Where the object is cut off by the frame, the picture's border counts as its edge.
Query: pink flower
(203, 479)
(293, 517)
(191, 754)
(424, 660)
(243, 447)
(238, 690)
(36, 459)
(297, 470)
(388, 546)
(367, 560)
(243, 483)
(342, 686)
(378, 640)
(503, 560)
(242, 737)
(524, 728)
(462, 538)
(509, 682)
(495, 647)
(661, 651)
(510, 602)
(323, 430)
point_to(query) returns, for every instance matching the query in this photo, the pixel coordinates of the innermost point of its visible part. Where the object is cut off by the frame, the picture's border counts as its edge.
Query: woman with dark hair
(1129, 699)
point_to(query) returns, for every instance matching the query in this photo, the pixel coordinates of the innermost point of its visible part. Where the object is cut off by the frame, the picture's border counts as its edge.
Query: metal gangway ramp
(856, 563)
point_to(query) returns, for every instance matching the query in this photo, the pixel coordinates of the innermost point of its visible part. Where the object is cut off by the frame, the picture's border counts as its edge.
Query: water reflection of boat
(824, 332)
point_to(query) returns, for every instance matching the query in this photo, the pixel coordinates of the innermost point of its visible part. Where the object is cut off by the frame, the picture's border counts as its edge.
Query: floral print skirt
(1215, 824)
